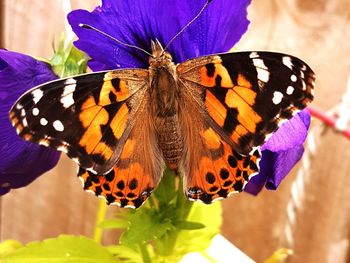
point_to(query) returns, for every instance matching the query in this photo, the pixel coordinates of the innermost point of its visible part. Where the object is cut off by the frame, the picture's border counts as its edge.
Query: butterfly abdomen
(165, 106)
(170, 140)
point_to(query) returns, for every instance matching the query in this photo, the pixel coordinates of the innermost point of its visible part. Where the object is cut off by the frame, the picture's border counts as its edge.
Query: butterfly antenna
(113, 38)
(188, 24)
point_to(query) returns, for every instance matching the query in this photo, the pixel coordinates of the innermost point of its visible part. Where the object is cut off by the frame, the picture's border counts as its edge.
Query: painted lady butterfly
(204, 118)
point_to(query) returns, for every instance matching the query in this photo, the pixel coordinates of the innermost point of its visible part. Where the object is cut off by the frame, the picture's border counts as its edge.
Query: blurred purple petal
(137, 22)
(274, 167)
(20, 162)
(290, 134)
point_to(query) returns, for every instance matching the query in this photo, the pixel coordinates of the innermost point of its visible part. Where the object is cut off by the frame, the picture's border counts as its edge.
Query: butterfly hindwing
(248, 94)
(137, 171)
(88, 116)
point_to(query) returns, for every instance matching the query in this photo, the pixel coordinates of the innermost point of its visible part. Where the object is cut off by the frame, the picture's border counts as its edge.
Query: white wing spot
(43, 121)
(290, 90)
(259, 63)
(24, 122)
(67, 95)
(62, 148)
(262, 70)
(44, 143)
(23, 112)
(35, 111)
(287, 61)
(304, 85)
(37, 95)
(58, 126)
(293, 78)
(76, 160)
(263, 75)
(18, 106)
(254, 55)
(277, 97)
(70, 81)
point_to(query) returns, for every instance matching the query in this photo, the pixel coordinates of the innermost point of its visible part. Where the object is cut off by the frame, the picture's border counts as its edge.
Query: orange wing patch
(125, 187)
(215, 109)
(92, 117)
(119, 121)
(213, 74)
(220, 173)
(247, 117)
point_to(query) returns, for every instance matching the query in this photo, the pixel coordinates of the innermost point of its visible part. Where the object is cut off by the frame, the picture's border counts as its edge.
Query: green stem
(184, 207)
(101, 215)
(145, 255)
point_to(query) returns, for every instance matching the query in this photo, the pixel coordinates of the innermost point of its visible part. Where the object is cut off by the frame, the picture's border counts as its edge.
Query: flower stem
(183, 208)
(101, 215)
(145, 255)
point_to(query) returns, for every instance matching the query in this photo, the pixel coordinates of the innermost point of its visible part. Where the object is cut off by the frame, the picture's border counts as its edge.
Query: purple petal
(290, 134)
(20, 162)
(274, 167)
(137, 22)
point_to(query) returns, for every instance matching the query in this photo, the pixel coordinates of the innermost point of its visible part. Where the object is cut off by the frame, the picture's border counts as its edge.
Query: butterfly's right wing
(248, 95)
(232, 103)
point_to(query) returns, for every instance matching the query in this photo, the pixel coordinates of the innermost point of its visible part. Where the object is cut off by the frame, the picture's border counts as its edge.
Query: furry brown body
(164, 93)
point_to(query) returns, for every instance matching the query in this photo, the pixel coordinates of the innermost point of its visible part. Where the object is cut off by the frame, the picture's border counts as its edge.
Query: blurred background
(310, 211)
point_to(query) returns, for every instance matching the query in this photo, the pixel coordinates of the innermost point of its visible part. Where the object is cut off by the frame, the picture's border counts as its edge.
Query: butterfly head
(159, 55)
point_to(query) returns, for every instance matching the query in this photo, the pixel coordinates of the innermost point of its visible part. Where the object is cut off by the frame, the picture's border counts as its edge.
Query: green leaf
(126, 254)
(145, 225)
(68, 60)
(114, 224)
(166, 190)
(199, 240)
(188, 225)
(64, 248)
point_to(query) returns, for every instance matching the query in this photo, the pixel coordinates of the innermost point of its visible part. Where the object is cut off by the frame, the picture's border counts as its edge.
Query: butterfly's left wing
(138, 170)
(88, 116)
(231, 104)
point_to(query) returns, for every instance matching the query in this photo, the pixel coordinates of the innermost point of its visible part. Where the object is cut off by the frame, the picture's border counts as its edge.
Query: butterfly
(205, 118)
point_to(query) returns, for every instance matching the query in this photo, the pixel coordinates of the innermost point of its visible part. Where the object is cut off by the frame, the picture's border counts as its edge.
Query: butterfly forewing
(88, 116)
(247, 95)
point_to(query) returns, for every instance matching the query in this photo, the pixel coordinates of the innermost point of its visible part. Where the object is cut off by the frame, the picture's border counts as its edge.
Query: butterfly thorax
(164, 97)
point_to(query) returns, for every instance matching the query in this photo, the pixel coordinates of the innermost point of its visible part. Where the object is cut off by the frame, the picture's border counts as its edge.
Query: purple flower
(280, 153)
(218, 29)
(137, 22)
(20, 162)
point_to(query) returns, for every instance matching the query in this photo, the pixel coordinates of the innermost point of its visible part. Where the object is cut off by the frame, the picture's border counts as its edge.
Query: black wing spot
(133, 184)
(121, 185)
(210, 69)
(116, 84)
(224, 173)
(210, 178)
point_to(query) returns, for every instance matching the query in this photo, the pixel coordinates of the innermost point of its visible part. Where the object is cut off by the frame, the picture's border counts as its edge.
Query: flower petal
(137, 22)
(20, 162)
(290, 134)
(274, 167)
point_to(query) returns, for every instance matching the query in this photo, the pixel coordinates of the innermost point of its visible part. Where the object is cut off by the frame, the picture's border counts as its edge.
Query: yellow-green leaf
(65, 248)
